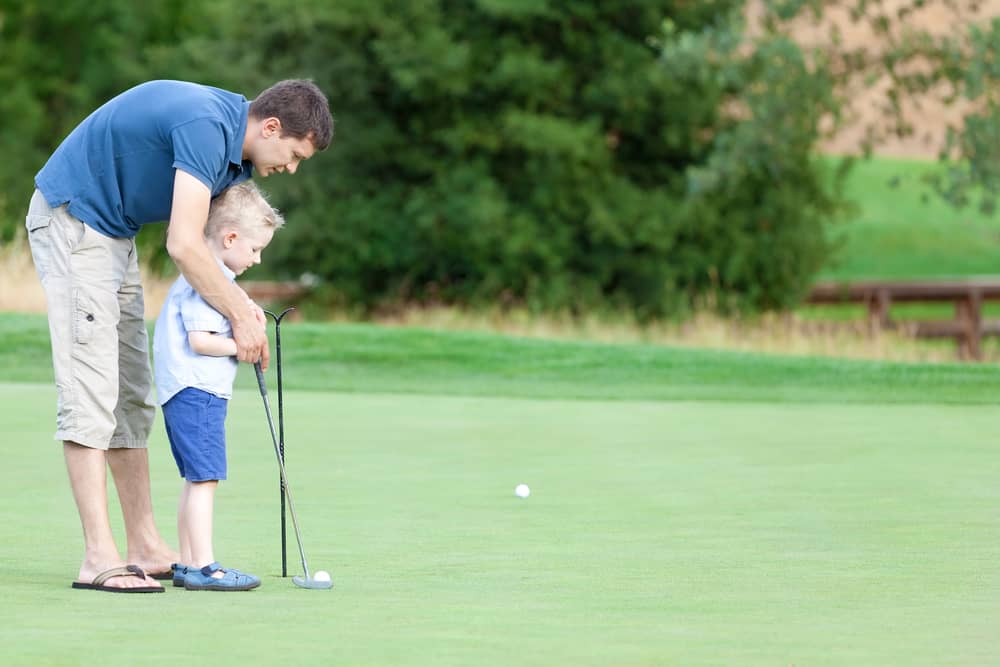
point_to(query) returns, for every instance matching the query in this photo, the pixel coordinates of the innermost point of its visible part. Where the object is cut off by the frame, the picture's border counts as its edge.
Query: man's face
(276, 154)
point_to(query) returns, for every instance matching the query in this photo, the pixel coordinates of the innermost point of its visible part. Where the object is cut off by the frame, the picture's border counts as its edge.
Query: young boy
(195, 365)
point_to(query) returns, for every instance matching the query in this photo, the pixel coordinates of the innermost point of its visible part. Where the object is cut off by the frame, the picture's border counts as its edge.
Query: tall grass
(22, 292)
(798, 334)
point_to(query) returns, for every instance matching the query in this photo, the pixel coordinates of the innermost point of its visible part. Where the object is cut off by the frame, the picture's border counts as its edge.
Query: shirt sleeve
(197, 315)
(200, 149)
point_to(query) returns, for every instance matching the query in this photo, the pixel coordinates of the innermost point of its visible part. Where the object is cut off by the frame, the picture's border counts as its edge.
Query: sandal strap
(212, 568)
(122, 571)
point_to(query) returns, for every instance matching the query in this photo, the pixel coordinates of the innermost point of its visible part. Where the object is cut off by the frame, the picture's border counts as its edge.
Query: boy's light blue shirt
(175, 365)
(116, 170)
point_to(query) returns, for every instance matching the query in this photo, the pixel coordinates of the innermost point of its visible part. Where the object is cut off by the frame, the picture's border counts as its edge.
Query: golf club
(281, 435)
(305, 581)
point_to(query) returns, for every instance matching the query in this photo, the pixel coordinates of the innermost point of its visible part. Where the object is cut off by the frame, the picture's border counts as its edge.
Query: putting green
(690, 533)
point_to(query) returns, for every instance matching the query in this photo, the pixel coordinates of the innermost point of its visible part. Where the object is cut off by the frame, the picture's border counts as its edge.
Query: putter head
(303, 582)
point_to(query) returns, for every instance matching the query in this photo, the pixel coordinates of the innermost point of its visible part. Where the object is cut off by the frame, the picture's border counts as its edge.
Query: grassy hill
(900, 229)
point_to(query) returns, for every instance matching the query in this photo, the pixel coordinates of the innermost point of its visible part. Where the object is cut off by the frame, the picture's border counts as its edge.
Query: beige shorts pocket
(40, 241)
(36, 222)
(84, 318)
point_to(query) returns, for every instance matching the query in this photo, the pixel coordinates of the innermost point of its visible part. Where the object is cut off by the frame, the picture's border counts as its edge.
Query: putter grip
(260, 379)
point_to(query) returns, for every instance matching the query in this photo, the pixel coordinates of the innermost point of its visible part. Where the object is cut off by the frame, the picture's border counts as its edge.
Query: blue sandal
(179, 571)
(232, 580)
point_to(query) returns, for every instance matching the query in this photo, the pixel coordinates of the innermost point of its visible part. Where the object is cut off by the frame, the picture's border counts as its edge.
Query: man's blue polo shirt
(116, 169)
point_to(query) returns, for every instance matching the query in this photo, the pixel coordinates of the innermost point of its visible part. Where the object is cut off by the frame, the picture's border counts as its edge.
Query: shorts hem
(127, 443)
(82, 440)
(206, 477)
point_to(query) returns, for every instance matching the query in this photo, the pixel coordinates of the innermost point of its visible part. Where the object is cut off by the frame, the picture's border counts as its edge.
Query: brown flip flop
(125, 571)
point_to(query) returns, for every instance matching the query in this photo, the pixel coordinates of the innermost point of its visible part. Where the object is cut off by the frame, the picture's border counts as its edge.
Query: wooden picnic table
(967, 327)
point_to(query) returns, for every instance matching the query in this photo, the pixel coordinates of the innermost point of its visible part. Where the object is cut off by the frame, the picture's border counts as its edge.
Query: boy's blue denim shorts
(196, 427)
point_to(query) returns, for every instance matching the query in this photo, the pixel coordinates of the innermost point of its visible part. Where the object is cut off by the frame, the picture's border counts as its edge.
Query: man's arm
(186, 246)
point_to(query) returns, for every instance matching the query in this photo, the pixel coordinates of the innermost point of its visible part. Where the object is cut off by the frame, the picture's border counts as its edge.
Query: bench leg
(968, 314)
(878, 311)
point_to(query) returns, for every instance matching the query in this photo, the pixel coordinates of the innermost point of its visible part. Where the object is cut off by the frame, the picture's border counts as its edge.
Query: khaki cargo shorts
(100, 351)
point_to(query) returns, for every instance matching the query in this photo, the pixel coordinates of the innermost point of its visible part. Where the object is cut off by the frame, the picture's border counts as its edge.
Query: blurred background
(670, 171)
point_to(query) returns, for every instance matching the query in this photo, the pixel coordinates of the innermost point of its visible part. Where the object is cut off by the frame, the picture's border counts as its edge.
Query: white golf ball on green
(321, 575)
(522, 491)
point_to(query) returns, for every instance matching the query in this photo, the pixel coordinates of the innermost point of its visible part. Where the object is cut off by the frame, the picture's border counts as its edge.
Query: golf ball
(321, 575)
(522, 491)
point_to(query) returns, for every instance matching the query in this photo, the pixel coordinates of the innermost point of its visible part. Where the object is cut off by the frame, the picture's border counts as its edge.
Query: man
(159, 151)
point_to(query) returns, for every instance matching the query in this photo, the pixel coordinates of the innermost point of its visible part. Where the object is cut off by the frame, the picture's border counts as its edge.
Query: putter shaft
(281, 433)
(281, 466)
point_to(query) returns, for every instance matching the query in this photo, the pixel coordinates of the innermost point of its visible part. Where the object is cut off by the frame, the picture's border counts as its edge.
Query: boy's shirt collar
(226, 271)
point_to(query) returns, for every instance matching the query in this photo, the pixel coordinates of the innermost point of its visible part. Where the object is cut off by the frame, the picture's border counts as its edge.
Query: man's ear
(271, 126)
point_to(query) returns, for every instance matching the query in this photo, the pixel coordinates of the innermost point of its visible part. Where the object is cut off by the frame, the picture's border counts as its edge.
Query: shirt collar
(226, 271)
(236, 151)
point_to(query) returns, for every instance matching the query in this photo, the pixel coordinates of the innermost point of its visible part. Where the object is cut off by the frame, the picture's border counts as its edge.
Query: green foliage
(562, 155)
(556, 154)
(757, 201)
(60, 61)
(639, 155)
(915, 62)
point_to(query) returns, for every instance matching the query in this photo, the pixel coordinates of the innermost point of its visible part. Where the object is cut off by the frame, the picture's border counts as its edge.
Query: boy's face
(241, 249)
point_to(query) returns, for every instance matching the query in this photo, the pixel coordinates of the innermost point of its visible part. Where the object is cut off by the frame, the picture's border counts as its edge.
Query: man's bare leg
(87, 470)
(130, 469)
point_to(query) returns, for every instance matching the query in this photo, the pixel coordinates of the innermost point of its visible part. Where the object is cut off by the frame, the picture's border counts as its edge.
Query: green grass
(363, 358)
(796, 512)
(902, 230)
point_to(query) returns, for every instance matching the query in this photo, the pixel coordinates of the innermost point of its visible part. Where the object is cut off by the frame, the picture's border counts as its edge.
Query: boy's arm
(212, 345)
(186, 246)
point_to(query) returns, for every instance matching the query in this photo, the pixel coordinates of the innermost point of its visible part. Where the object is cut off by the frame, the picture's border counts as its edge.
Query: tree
(546, 153)
(631, 155)
(59, 62)
(915, 53)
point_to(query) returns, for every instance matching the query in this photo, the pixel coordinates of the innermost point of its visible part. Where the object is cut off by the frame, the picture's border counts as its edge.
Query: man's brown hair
(302, 109)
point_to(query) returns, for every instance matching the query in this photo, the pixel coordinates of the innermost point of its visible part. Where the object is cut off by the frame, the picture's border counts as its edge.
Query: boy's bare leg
(130, 469)
(87, 468)
(198, 518)
(183, 538)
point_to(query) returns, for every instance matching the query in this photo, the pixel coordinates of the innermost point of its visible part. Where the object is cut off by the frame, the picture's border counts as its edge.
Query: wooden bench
(967, 328)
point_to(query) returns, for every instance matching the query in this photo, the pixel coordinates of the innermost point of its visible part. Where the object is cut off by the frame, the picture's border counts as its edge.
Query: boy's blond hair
(242, 207)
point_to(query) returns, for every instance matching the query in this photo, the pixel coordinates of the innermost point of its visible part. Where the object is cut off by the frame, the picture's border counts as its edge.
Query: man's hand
(259, 313)
(257, 310)
(261, 318)
(251, 339)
